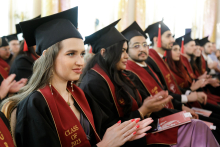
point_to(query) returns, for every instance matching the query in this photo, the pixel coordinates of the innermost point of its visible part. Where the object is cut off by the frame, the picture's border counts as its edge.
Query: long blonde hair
(42, 72)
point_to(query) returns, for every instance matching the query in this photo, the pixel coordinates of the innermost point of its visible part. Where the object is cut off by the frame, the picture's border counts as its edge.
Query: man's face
(14, 46)
(208, 48)
(4, 52)
(138, 49)
(167, 40)
(190, 47)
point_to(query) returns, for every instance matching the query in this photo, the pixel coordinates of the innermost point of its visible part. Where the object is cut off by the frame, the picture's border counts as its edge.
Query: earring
(72, 86)
(50, 88)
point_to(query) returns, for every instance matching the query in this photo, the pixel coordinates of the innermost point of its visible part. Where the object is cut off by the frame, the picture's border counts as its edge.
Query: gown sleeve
(35, 126)
(99, 97)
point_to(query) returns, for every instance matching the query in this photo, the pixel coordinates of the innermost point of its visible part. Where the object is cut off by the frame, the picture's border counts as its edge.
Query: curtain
(210, 19)
(49, 7)
(140, 13)
(123, 13)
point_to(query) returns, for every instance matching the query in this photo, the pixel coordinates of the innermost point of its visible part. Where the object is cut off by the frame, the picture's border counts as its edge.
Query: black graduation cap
(46, 31)
(203, 41)
(152, 29)
(133, 30)
(187, 38)
(104, 37)
(4, 41)
(197, 41)
(12, 37)
(18, 28)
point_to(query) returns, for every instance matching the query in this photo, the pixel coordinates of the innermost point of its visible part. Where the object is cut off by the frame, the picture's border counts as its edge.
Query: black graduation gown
(9, 59)
(99, 97)
(35, 126)
(215, 121)
(22, 67)
(5, 120)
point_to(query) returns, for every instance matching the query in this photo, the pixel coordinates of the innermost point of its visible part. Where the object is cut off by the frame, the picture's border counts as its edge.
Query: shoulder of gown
(35, 126)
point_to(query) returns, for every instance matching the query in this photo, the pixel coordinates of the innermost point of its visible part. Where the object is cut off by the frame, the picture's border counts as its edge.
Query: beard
(139, 60)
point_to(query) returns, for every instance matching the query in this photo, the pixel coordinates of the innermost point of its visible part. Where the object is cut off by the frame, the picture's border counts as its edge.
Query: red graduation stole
(188, 66)
(5, 136)
(165, 70)
(69, 129)
(4, 65)
(3, 73)
(147, 80)
(111, 86)
(152, 87)
(203, 64)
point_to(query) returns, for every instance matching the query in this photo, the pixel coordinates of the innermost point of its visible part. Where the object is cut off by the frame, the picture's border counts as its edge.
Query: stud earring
(72, 86)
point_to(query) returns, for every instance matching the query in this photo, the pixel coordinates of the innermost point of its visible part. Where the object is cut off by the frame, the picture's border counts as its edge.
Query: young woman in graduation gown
(23, 63)
(118, 97)
(51, 109)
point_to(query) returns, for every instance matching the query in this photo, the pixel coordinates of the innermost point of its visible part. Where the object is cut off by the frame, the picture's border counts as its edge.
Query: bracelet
(141, 114)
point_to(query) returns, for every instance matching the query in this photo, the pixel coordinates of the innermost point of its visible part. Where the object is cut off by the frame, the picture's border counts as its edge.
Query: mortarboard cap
(104, 37)
(4, 41)
(46, 31)
(12, 37)
(133, 30)
(197, 41)
(152, 29)
(187, 38)
(203, 41)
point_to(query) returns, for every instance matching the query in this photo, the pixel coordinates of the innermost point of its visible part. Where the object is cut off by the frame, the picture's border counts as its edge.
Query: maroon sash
(69, 129)
(4, 65)
(147, 80)
(3, 73)
(188, 66)
(111, 86)
(152, 87)
(5, 136)
(165, 70)
(203, 64)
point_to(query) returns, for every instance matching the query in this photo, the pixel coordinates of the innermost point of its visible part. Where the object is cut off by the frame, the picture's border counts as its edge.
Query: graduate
(14, 47)
(51, 109)
(141, 74)
(23, 63)
(162, 40)
(198, 68)
(4, 54)
(119, 97)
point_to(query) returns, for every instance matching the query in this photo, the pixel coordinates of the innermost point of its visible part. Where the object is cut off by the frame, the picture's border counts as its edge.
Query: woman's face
(69, 61)
(175, 52)
(198, 51)
(121, 65)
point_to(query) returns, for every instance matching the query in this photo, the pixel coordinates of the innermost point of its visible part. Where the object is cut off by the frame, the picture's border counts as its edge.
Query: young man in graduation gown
(188, 50)
(159, 66)
(161, 36)
(142, 75)
(14, 47)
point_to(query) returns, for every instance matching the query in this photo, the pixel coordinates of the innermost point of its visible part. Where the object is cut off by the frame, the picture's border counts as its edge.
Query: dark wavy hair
(31, 50)
(196, 64)
(107, 62)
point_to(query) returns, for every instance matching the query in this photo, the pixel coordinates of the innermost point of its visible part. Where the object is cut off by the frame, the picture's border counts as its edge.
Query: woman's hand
(142, 128)
(119, 133)
(213, 82)
(17, 85)
(6, 84)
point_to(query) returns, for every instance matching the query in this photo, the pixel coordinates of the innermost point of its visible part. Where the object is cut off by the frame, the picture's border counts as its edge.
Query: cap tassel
(90, 50)
(159, 36)
(182, 46)
(25, 49)
(165, 55)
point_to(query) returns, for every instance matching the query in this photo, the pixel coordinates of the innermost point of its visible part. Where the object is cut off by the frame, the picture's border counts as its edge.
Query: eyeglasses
(138, 45)
(5, 49)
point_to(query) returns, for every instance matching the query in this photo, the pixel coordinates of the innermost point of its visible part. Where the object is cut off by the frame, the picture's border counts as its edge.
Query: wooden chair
(9, 110)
